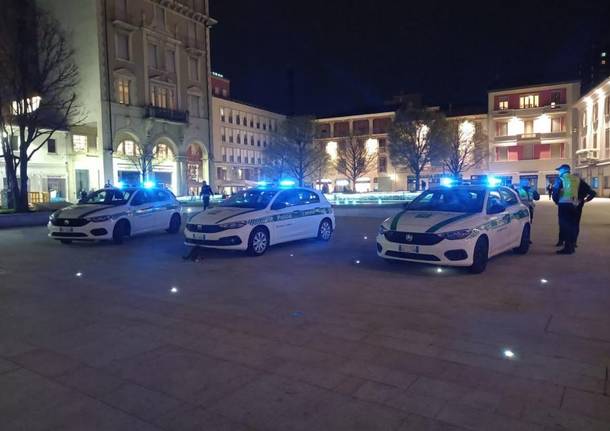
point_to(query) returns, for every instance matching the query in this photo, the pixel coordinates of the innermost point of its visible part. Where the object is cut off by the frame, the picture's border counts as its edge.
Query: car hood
(85, 210)
(223, 215)
(429, 221)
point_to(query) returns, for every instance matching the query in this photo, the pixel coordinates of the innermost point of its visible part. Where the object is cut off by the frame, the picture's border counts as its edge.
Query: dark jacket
(206, 191)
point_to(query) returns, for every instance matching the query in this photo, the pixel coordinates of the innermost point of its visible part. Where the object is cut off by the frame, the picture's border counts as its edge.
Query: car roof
(281, 189)
(462, 187)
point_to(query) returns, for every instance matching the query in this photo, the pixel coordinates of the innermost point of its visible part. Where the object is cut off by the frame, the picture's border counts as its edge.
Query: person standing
(206, 194)
(569, 193)
(549, 190)
(528, 196)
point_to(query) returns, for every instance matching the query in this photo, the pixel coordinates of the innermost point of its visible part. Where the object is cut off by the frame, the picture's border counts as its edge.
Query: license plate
(200, 236)
(66, 229)
(408, 248)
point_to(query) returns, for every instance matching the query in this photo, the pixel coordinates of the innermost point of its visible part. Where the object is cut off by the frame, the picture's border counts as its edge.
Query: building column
(181, 174)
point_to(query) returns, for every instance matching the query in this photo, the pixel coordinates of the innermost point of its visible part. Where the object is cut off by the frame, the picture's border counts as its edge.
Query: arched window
(129, 148)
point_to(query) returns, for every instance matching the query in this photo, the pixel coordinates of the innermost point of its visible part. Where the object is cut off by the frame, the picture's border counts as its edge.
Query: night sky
(351, 56)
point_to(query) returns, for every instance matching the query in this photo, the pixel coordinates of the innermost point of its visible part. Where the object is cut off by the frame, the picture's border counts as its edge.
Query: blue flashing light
(262, 183)
(120, 185)
(493, 181)
(287, 183)
(149, 184)
(447, 182)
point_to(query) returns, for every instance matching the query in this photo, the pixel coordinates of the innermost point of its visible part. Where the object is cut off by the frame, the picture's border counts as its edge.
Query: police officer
(206, 193)
(570, 193)
(528, 196)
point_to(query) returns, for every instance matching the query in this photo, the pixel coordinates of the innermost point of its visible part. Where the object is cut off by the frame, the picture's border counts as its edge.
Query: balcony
(529, 111)
(167, 114)
(587, 156)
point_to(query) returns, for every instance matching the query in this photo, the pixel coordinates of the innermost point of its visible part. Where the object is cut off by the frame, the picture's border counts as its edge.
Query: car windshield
(252, 198)
(452, 200)
(107, 197)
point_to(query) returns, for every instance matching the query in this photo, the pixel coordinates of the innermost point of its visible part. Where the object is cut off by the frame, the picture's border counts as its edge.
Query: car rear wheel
(480, 256)
(524, 245)
(65, 241)
(120, 231)
(258, 243)
(325, 231)
(174, 224)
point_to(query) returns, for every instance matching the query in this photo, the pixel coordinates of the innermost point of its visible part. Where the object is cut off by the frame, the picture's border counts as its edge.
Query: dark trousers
(531, 214)
(569, 217)
(206, 202)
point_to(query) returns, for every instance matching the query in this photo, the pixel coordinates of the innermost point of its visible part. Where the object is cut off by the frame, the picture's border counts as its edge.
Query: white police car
(257, 218)
(116, 213)
(462, 225)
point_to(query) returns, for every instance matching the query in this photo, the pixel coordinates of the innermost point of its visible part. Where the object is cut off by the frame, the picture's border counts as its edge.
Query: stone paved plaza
(303, 338)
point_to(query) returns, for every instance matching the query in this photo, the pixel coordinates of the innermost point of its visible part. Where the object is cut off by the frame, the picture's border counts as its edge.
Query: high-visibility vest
(569, 191)
(523, 194)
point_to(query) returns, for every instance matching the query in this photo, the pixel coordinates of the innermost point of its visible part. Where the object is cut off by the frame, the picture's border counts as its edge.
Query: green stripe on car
(448, 221)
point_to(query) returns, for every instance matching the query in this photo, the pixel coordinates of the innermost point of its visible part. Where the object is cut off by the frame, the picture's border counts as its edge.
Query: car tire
(524, 245)
(174, 224)
(120, 231)
(480, 256)
(325, 231)
(65, 241)
(258, 243)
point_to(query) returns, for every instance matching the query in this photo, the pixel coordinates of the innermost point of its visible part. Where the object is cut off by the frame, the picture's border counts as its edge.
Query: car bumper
(445, 253)
(230, 239)
(88, 232)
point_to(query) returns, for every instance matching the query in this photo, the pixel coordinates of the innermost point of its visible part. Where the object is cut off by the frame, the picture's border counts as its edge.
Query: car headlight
(99, 218)
(382, 230)
(233, 225)
(458, 234)
(53, 216)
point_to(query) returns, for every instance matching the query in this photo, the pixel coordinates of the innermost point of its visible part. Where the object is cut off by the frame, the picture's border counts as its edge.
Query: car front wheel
(480, 256)
(325, 230)
(258, 242)
(174, 224)
(120, 231)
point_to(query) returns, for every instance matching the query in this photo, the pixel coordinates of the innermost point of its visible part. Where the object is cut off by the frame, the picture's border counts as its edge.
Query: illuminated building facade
(144, 69)
(240, 134)
(593, 153)
(531, 132)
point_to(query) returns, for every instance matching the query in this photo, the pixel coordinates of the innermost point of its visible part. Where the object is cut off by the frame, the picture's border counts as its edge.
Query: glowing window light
(331, 150)
(542, 124)
(372, 146)
(466, 130)
(342, 183)
(26, 106)
(515, 126)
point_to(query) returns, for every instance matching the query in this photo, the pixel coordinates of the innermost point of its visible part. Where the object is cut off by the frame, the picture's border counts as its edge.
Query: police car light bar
(447, 182)
(493, 181)
(287, 183)
(149, 184)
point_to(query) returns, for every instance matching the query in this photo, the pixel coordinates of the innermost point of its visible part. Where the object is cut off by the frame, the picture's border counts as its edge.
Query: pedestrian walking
(549, 190)
(570, 194)
(206, 194)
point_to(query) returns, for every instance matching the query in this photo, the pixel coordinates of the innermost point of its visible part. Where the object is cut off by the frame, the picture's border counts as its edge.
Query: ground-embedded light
(79, 274)
(544, 281)
(509, 354)
(366, 237)
(174, 289)
(439, 270)
(357, 262)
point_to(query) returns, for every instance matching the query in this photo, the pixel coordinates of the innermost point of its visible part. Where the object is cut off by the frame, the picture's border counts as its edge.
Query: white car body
(229, 228)
(145, 210)
(422, 235)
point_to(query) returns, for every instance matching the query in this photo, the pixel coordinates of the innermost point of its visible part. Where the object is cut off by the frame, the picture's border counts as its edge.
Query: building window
(595, 115)
(222, 115)
(607, 107)
(194, 69)
(162, 97)
(251, 122)
(170, 60)
(122, 46)
(555, 98)
(501, 154)
(79, 143)
(160, 17)
(128, 148)
(223, 134)
(583, 119)
(230, 136)
(153, 56)
(163, 152)
(607, 143)
(51, 146)
(594, 141)
(123, 90)
(194, 102)
(558, 124)
(529, 101)
(224, 154)
(503, 104)
(383, 164)
(501, 128)
(251, 139)
(238, 137)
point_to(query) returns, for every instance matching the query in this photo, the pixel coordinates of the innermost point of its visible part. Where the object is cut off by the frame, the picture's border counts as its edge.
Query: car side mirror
(496, 208)
(278, 206)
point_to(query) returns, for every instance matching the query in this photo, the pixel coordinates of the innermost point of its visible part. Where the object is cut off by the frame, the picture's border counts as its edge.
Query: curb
(24, 219)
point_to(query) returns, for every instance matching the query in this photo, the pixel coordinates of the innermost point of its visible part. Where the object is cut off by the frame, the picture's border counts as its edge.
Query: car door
(143, 211)
(513, 206)
(163, 211)
(498, 220)
(312, 213)
(285, 213)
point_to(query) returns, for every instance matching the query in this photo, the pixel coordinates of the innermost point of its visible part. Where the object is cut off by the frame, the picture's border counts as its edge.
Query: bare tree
(295, 152)
(466, 147)
(38, 77)
(416, 139)
(141, 155)
(355, 157)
